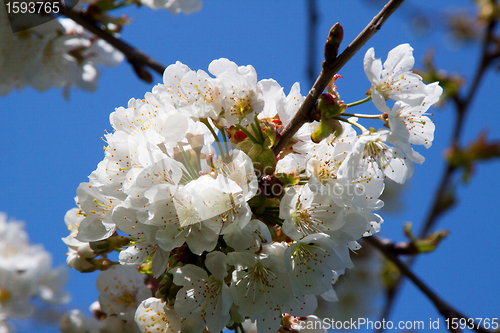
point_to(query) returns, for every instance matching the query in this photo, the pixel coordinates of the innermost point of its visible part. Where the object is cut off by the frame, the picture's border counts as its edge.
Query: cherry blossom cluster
(191, 193)
(26, 274)
(59, 53)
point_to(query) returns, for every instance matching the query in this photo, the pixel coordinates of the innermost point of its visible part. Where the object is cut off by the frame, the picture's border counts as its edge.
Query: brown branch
(136, 58)
(330, 69)
(445, 309)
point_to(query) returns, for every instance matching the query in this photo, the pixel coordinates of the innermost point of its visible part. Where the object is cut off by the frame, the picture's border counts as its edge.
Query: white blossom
(204, 294)
(310, 263)
(260, 286)
(76, 322)
(121, 290)
(58, 53)
(395, 80)
(153, 315)
(26, 273)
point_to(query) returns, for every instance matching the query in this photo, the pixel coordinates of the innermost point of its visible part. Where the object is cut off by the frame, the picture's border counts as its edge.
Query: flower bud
(330, 106)
(95, 309)
(108, 245)
(333, 42)
(103, 264)
(85, 251)
(80, 264)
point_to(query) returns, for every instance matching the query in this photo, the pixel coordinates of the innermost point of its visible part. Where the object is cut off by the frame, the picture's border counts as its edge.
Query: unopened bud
(110, 244)
(103, 264)
(333, 42)
(95, 309)
(85, 251)
(330, 106)
(80, 264)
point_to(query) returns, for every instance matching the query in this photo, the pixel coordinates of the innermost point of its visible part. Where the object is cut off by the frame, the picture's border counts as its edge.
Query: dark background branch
(136, 58)
(444, 308)
(330, 69)
(312, 33)
(462, 104)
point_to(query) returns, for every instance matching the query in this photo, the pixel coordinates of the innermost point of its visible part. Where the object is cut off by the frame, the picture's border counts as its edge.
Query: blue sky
(50, 145)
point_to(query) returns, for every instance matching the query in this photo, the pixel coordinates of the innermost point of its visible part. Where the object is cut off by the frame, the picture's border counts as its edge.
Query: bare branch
(462, 105)
(330, 69)
(136, 58)
(401, 248)
(445, 309)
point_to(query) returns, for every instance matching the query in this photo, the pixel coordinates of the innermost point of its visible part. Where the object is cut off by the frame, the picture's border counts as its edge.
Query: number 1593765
(32, 7)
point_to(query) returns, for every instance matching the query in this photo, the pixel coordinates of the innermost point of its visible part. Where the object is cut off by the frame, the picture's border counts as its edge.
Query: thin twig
(312, 34)
(462, 105)
(444, 308)
(330, 69)
(402, 248)
(136, 58)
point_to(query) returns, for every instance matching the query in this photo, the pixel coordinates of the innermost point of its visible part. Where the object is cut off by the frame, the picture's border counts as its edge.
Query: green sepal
(288, 179)
(326, 128)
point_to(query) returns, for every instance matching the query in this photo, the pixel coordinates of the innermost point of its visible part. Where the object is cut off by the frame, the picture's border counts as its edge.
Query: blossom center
(375, 151)
(389, 86)
(127, 298)
(242, 106)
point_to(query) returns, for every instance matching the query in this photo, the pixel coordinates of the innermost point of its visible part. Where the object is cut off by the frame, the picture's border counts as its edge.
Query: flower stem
(360, 115)
(259, 129)
(361, 127)
(247, 133)
(188, 164)
(364, 100)
(224, 138)
(216, 137)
